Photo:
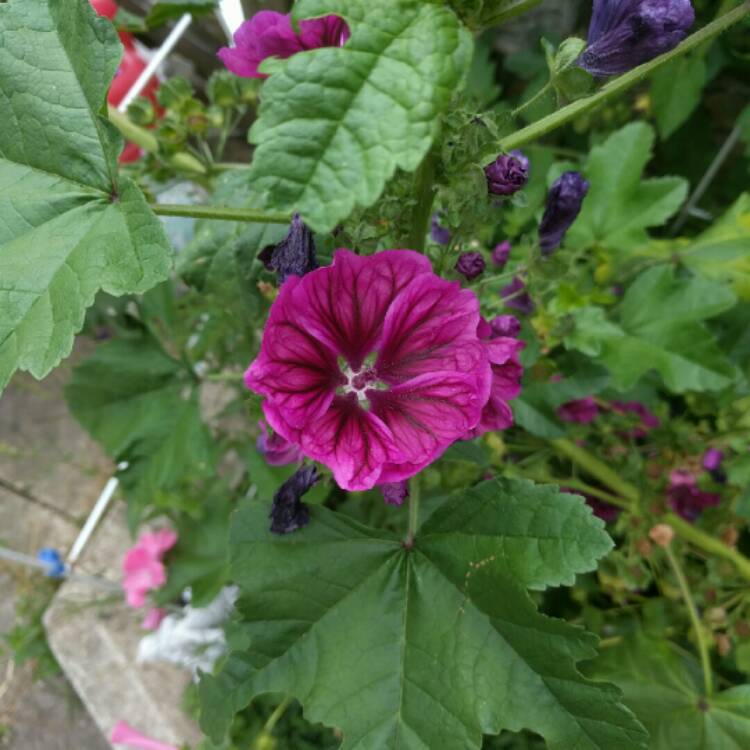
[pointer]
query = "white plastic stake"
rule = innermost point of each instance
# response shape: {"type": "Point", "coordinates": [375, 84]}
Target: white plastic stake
{"type": "Point", "coordinates": [158, 58]}
{"type": "Point", "coordinates": [94, 517]}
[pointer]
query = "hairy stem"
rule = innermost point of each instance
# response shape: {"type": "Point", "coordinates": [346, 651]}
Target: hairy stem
{"type": "Point", "coordinates": [534, 99]}
{"type": "Point", "coordinates": [511, 10]}
{"type": "Point", "coordinates": [220, 212]}
{"type": "Point", "coordinates": [415, 491]}
{"type": "Point", "coordinates": [622, 83]}
{"type": "Point", "coordinates": [425, 194]}
{"type": "Point", "coordinates": [694, 619]}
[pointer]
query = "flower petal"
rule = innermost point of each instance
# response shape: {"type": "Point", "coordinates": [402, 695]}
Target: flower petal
{"type": "Point", "coordinates": [293, 368]}
{"type": "Point", "coordinates": [345, 304]}
{"type": "Point", "coordinates": [352, 442]}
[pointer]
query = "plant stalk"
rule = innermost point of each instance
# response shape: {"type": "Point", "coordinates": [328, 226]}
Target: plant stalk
{"type": "Point", "coordinates": [220, 212]}
{"type": "Point", "coordinates": [423, 182]}
{"type": "Point", "coordinates": [415, 491]}
{"type": "Point", "coordinates": [512, 9]}
{"type": "Point", "coordinates": [622, 83]}
{"type": "Point", "coordinates": [694, 619]}
{"type": "Point", "coordinates": [534, 99]}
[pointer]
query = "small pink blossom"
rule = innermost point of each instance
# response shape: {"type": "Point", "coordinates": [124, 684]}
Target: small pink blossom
{"type": "Point", "coordinates": [143, 568]}
{"type": "Point", "coordinates": [374, 366]}
{"type": "Point", "coordinates": [270, 34]}
{"type": "Point", "coordinates": [123, 734]}
{"type": "Point", "coordinates": [278, 451]}
{"type": "Point", "coordinates": [582, 410]}
{"type": "Point", "coordinates": [153, 618]}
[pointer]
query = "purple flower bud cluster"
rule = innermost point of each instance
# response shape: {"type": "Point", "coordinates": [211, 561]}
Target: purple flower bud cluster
{"type": "Point", "coordinates": [288, 512]}
{"type": "Point", "coordinates": [582, 410]}
{"type": "Point", "coordinates": [516, 297]}
{"type": "Point", "coordinates": [471, 265]}
{"type": "Point", "coordinates": [394, 493]}
{"type": "Point", "coordinates": [508, 174]}
{"type": "Point", "coordinates": [501, 254]}
{"type": "Point", "coordinates": [439, 233]}
{"type": "Point", "coordinates": [505, 325]}
{"type": "Point", "coordinates": [564, 203]}
{"type": "Point", "coordinates": [626, 33]}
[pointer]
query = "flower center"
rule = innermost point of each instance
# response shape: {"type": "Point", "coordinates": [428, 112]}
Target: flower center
{"type": "Point", "coordinates": [360, 381]}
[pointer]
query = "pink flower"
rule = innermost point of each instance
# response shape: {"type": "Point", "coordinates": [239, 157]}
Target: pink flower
{"type": "Point", "coordinates": [270, 34]}
{"type": "Point", "coordinates": [278, 451]}
{"type": "Point", "coordinates": [143, 568]}
{"type": "Point", "coordinates": [374, 366]}
{"type": "Point", "coordinates": [648, 420]}
{"type": "Point", "coordinates": [686, 498]}
{"type": "Point", "coordinates": [583, 410]}
{"type": "Point", "coordinates": [123, 734]}
{"type": "Point", "coordinates": [153, 618]}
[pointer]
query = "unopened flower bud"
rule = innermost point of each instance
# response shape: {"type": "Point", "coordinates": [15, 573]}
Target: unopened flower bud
{"type": "Point", "coordinates": [662, 534]}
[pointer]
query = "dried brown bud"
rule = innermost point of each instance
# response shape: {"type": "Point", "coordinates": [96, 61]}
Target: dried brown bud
{"type": "Point", "coordinates": [662, 534]}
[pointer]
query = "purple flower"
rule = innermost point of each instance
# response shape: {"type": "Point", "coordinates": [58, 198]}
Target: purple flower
{"type": "Point", "coordinates": [470, 265]}
{"type": "Point", "coordinates": [501, 253]}
{"type": "Point", "coordinates": [516, 297]}
{"type": "Point", "coordinates": [394, 493]}
{"type": "Point", "coordinates": [507, 174]}
{"type": "Point", "coordinates": [439, 233]}
{"type": "Point", "coordinates": [294, 255]}
{"type": "Point", "coordinates": [374, 366]}
{"type": "Point", "coordinates": [582, 411]}
{"type": "Point", "coordinates": [505, 325]}
{"type": "Point", "coordinates": [288, 512]}
{"type": "Point", "coordinates": [276, 450]}
{"type": "Point", "coordinates": [564, 203]}
{"type": "Point", "coordinates": [712, 459]}
{"type": "Point", "coordinates": [686, 498]}
{"type": "Point", "coordinates": [626, 33]}
{"type": "Point", "coordinates": [270, 34]}
{"type": "Point", "coordinates": [648, 420]}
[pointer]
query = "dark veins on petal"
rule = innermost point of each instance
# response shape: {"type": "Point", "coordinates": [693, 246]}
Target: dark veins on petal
{"type": "Point", "coordinates": [288, 512]}
{"type": "Point", "coordinates": [294, 255]}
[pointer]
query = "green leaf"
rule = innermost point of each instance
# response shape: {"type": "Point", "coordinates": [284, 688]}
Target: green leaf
{"type": "Point", "coordinates": [69, 225]}
{"type": "Point", "coordinates": [722, 252]}
{"type": "Point", "coordinates": [427, 647]}
{"type": "Point", "coordinates": [661, 328]}
{"type": "Point", "coordinates": [620, 205]}
{"type": "Point", "coordinates": [664, 689]}
{"type": "Point", "coordinates": [137, 402]}
{"type": "Point", "coordinates": [336, 123]}
{"type": "Point", "coordinates": [676, 91]}
{"type": "Point", "coordinates": [165, 10]}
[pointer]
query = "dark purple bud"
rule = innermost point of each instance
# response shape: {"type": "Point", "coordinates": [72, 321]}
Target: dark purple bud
{"type": "Point", "coordinates": [288, 512]}
{"type": "Point", "coordinates": [439, 233]}
{"type": "Point", "coordinates": [470, 265]}
{"type": "Point", "coordinates": [516, 297]}
{"type": "Point", "coordinates": [712, 459]}
{"type": "Point", "coordinates": [294, 255]}
{"type": "Point", "coordinates": [394, 493]}
{"type": "Point", "coordinates": [582, 411]}
{"type": "Point", "coordinates": [564, 203]}
{"type": "Point", "coordinates": [505, 325]}
{"type": "Point", "coordinates": [501, 253]}
{"type": "Point", "coordinates": [626, 33]}
{"type": "Point", "coordinates": [685, 498]}
{"type": "Point", "coordinates": [507, 174]}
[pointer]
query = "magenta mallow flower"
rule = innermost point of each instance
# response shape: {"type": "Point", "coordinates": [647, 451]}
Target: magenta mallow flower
{"type": "Point", "coordinates": [507, 174]}
{"type": "Point", "coordinates": [438, 233]}
{"type": "Point", "coordinates": [582, 410]}
{"type": "Point", "coordinates": [626, 33]}
{"type": "Point", "coordinates": [470, 265]}
{"type": "Point", "coordinates": [686, 498]}
{"type": "Point", "coordinates": [564, 202]}
{"type": "Point", "coordinates": [288, 512]}
{"type": "Point", "coordinates": [277, 451]}
{"type": "Point", "coordinates": [501, 253]}
{"type": "Point", "coordinates": [374, 366]}
{"type": "Point", "coordinates": [394, 493]}
{"type": "Point", "coordinates": [516, 297]}
{"type": "Point", "coordinates": [143, 568]}
{"type": "Point", "coordinates": [647, 419]}
{"type": "Point", "coordinates": [123, 734]}
{"type": "Point", "coordinates": [270, 34]}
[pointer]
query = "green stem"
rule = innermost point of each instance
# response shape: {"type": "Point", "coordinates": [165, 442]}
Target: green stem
{"type": "Point", "coordinates": [597, 468]}
{"type": "Point", "coordinates": [694, 619]}
{"type": "Point", "coordinates": [220, 212]}
{"type": "Point", "coordinates": [415, 491]}
{"type": "Point", "coordinates": [148, 142]}
{"type": "Point", "coordinates": [622, 83]}
{"type": "Point", "coordinates": [534, 99]}
{"type": "Point", "coordinates": [424, 189]}
{"type": "Point", "coordinates": [273, 719]}
{"type": "Point", "coordinates": [708, 543]}
{"type": "Point", "coordinates": [512, 9]}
